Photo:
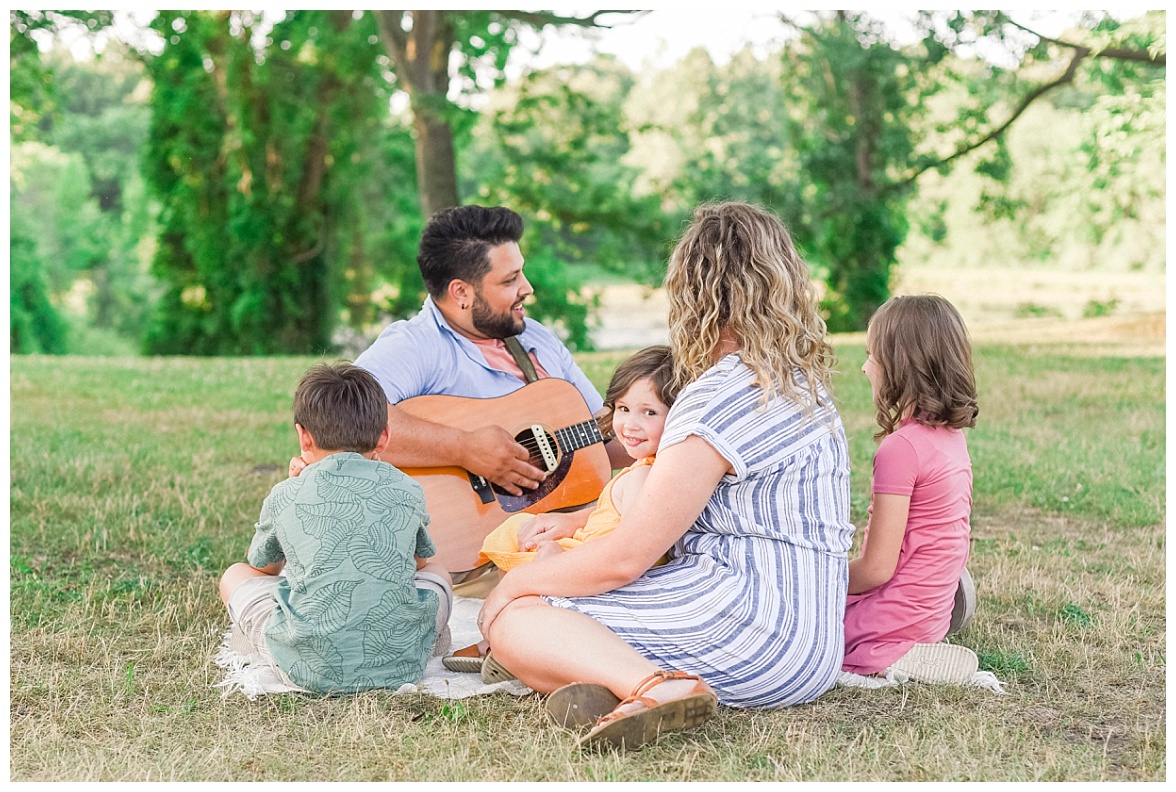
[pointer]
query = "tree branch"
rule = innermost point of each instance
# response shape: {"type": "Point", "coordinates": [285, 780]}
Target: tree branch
{"type": "Point", "coordinates": [395, 39]}
{"type": "Point", "coordinates": [1115, 53]}
{"type": "Point", "coordinates": [1080, 53]}
{"type": "Point", "coordinates": [540, 19]}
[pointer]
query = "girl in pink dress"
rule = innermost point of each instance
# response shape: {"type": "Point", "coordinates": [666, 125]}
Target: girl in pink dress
{"type": "Point", "coordinates": [902, 588]}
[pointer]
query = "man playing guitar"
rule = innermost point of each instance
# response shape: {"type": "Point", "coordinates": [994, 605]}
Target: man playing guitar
{"type": "Point", "coordinates": [455, 346]}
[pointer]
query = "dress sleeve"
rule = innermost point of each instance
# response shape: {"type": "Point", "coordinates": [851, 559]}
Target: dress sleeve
{"type": "Point", "coordinates": [896, 465]}
{"type": "Point", "coordinates": [698, 411]}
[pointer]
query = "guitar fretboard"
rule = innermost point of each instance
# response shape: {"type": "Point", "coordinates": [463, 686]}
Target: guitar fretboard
{"type": "Point", "coordinates": [578, 435]}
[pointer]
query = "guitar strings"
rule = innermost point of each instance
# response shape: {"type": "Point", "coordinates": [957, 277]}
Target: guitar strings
{"type": "Point", "coordinates": [532, 443]}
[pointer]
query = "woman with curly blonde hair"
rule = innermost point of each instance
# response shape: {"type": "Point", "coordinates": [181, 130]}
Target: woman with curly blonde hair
{"type": "Point", "coordinates": [748, 496]}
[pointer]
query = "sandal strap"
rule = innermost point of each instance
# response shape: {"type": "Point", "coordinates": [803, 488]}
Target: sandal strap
{"type": "Point", "coordinates": [644, 686]}
{"type": "Point", "coordinates": [659, 676]}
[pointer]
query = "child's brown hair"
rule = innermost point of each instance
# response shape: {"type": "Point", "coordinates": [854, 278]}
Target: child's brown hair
{"type": "Point", "coordinates": [920, 345]}
{"type": "Point", "coordinates": [342, 406]}
{"type": "Point", "coordinates": [653, 362]}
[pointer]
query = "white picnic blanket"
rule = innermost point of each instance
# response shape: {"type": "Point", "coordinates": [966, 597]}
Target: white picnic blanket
{"type": "Point", "coordinates": [243, 675]}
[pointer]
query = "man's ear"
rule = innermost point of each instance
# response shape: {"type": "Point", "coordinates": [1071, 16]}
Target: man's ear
{"type": "Point", "coordinates": [304, 438]}
{"type": "Point", "coordinates": [382, 443]}
{"type": "Point", "coordinates": [461, 293]}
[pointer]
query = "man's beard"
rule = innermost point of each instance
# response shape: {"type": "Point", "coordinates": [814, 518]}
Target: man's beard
{"type": "Point", "coordinates": [494, 325]}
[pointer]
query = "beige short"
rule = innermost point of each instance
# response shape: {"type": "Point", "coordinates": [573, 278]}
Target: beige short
{"type": "Point", "coordinates": [250, 606]}
{"type": "Point", "coordinates": [253, 602]}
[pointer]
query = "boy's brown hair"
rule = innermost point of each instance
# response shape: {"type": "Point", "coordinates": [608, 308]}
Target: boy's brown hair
{"type": "Point", "coordinates": [653, 362]}
{"type": "Point", "coordinates": [342, 406]}
{"type": "Point", "coordinates": [920, 345]}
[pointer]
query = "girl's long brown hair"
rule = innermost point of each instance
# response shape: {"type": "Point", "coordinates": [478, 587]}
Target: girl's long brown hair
{"type": "Point", "coordinates": [736, 268]}
{"type": "Point", "coordinates": [924, 358]}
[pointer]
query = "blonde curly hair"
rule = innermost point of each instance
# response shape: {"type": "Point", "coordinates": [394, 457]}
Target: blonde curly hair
{"type": "Point", "coordinates": [736, 269]}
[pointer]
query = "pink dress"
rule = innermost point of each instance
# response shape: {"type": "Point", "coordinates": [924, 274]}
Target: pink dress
{"type": "Point", "coordinates": [933, 467]}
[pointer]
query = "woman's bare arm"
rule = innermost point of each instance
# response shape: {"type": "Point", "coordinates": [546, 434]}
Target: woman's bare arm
{"type": "Point", "coordinates": [677, 488]}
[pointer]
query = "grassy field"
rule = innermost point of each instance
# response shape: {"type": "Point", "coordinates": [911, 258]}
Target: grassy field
{"type": "Point", "coordinates": [135, 482]}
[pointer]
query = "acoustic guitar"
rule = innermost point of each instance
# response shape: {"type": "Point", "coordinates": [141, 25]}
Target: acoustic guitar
{"type": "Point", "coordinates": [550, 419]}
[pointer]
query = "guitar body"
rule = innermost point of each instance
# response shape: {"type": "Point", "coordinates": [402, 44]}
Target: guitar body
{"type": "Point", "coordinates": [547, 415]}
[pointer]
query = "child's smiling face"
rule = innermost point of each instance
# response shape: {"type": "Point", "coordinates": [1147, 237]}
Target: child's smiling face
{"type": "Point", "coordinates": [639, 417]}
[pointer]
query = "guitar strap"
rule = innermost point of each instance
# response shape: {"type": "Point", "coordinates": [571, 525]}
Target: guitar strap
{"type": "Point", "coordinates": [521, 357]}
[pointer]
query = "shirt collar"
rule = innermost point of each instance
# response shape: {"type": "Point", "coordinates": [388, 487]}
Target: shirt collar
{"type": "Point", "coordinates": [469, 347]}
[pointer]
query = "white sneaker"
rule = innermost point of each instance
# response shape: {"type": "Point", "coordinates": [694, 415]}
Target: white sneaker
{"type": "Point", "coordinates": [939, 662]}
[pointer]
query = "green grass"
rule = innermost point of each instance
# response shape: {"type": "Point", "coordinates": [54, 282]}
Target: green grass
{"type": "Point", "coordinates": [135, 482]}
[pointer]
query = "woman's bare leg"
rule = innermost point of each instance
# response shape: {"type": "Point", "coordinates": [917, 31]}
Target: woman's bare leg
{"type": "Point", "coordinates": [548, 647]}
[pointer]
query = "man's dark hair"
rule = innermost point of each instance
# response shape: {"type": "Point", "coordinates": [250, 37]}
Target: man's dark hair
{"type": "Point", "coordinates": [456, 243]}
{"type": "Point", "coordinates": [342, 406]}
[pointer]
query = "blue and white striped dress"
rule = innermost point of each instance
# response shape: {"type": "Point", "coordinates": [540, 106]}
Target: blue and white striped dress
{"type": "Point", "coordinates": [753, 597]}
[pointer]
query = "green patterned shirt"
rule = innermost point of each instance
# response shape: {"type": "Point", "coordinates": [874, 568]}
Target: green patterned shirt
{"type": "Point", "coordinates": [349, 616]}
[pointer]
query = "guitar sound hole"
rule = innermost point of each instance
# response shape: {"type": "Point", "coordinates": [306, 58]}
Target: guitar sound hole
{"type": "Point", "coordinates": [515, 503]}
{"type": "Point", "coordinates": [530, 441]}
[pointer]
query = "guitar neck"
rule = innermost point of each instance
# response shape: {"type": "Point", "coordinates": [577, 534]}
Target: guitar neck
{"type": "Point", "coordinates": [578, 436]}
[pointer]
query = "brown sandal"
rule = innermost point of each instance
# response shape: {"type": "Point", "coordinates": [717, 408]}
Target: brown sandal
{"type": "Point", "coordinates": [466, 660]}
{"type": "Point", "coordinates": [631, 730]}
{"type": "Point", "coordinates": [494, 671]}
{"type": "Point", "coordinates": [580, 705]}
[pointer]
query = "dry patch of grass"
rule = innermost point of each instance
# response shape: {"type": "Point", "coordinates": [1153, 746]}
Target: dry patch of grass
{"type": "Point", "coordinates": [1070, 617]}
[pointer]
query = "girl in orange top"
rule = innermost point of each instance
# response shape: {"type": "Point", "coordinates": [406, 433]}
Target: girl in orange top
{"type": "Point", "coordinates": [636, 404]}
{"type": "Point", "coordinates": [638, 398]}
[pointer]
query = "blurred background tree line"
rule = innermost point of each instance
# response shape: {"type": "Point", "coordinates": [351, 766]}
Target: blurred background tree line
{"type": "Point", "coordinates": [258, 186]}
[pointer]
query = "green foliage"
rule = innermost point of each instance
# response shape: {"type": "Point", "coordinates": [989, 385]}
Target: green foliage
{"type": "Point", "coordinates": [103, 120]}
{"type": "Point", "coordinates": [278, 193]}
{"type": "Point", "coordinates": [254, 155]}
{"type": "Point", "coordinates": [1075, 615]}
{"type": "Point", "coordinates": [869, 117]}
{"type": "Point", "coordinates": [34, 324]}
{"type": "Point", "coordinates": [731, 131]}
{"type": "Point", "coordinates": [32, 94]}
{"type": "Point", "coordinates": [77, 190]}
{"type": "Point", "coordinates": [1004, 663]}
{"type": "Point", "coordinates": [855, 104]}
{"type": "Point", "coordinates": [51, 202]}
{"type": "Point", "coordinates": [379, 235]}
{"type": "Point", "coordinates": [1099, 308]}
{"type": "Point", "coordinates": [555, 151]}
{"type": "Point", "coordinates": [1109, 114]}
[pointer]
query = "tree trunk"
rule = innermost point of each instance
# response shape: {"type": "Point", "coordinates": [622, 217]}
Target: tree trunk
{"type": "Point", "coordinates": [421, 57]}
{"type": "Point", "coordinates": [436, 162]}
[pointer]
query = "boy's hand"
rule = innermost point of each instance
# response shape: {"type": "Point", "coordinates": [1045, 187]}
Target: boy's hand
{"type": "Point", "coordinates": [297, 465]}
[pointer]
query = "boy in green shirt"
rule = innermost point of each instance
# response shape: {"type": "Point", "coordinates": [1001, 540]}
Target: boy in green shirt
{"type": "Point", "coordinates": [360, 606]}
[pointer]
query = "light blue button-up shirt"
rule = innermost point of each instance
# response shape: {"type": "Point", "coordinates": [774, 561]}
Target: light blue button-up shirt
{"type": "Point", "coordinates": [425, 356]}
